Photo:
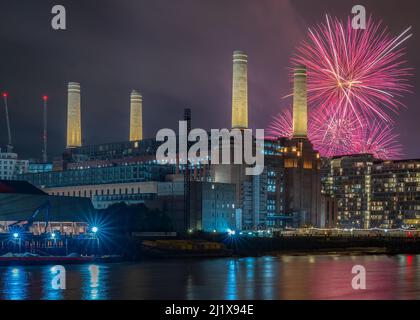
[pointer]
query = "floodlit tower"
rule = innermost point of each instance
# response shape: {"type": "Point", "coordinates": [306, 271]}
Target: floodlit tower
{"type": "Point", "coordinates": [9, 132]}
{"type": "Point", "coordinates": [74, 124]}
{"type": "Point", "coordinates": [300, 103]}
{"type": "Point", "coordinates": [240, 90]}
{"type": "Point", "coordinates": [44, 135]}
{"type": "Point", "coordinates": [136, 116]}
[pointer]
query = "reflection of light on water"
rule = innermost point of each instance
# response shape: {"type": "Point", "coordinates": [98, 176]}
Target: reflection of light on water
{"type": "Point", "coordinates": [250, 277]}
{"type": "Point", "coordinates": [286, 259]}
{"type": "Point", "coordinates": [250, 268]}
{"type": "Point", "coordinates": [94, 281]}
{"type": "Point", "coordinates": [15, 284]}
{"type": "Point", "coordinates": [190, 287]}
{"type": "Point", "coordinates": [231, 290]}
{"type": "Point", "coordinates": [402, 259]}
{"type": "Point", "coordinates": [409, 260]}
{"type": "Point", "coordinates": [268, 274]}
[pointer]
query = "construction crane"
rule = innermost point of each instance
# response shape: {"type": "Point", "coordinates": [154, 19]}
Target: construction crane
{"type": "Point", "coordinates": [44, 136]}
{"type": "Point", "coordinates": [9, 133]}
{"type": "Point", "coordinates": [24, 225]}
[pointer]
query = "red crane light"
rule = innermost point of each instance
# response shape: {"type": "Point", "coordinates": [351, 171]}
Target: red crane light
{"type": "Point", "coordinates": [45, 98]}
{"type": "Point", "coordinates": [5, 94]}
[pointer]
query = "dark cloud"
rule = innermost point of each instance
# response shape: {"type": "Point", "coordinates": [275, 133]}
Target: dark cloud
{"type": "Point", "coordinates": [176, 52]}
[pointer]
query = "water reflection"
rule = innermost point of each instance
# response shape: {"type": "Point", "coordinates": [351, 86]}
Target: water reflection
{"type": "Point", "coordinates": [283, 277]}
{"type": "Point", "coordinates": [95, 288]}
{"type": "Point", "coordinates": [16, 282]}
{"type": "Point", "coordinates": [231, 283]}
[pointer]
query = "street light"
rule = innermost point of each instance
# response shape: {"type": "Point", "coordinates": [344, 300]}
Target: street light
{"type": "Point", "coordinates": [95, 229]}
{"type": "Point", "coordinates": [16, 235]}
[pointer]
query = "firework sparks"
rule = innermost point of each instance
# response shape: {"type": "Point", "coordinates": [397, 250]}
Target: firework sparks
{"type": "Point", "coordinates": [380, 140]}
{"type": "Point", "coordinates": [282, 125]}
{"type": "Point", "coordinates": [360, 72]}
{"type": "Point", "coordinates": [341, 135]}
{"type": "Point", "coordinates": [355, 81]}
{"type": "Point", "coordinates": [333, 135]}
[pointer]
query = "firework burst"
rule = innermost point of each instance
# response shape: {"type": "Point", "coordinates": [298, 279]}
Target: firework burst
{"type": "Point", "coordinates": [359, 72]}
{"type": "Point", "coordinates": [355, 81]}
{"type": "Point", "coordinates": [380, 140]}
{"type": "Point", "coordinates": [281, 125]}
{"type": "Point", "coordinates": [340, 135]}
{"type": "Point", "coordinates": [333, 135]}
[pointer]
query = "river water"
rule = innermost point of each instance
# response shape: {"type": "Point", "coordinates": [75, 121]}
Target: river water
{"type": "Point", "coordinates": [282, 277]}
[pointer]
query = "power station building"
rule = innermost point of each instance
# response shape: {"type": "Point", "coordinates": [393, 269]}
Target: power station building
{"type": "Point", "coordinates": [198, 196]}
{"type": "Point", "coordinates": [288, 192]}
{"type": "Point", "coordinates": [294, 168]}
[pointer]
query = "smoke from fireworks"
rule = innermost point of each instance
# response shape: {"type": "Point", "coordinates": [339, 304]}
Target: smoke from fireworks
{"type": "Point", "coordinates": [355, 80]}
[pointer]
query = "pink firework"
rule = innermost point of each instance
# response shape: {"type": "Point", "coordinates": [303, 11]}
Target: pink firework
{"type": "Point", "coordinates": [380, 140]}
{"type": "Point", "coordinates": [281, 125]}
{"type": "Point", "coordinates": [341, 135]}
{"type": "Point", "coordinates": [333, 135]}
{"type": "Point", "coordinates": [359, 72]}
{"type": "Point", "coordinates": [330, 135]}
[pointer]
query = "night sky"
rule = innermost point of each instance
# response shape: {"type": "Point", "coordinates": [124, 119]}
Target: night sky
{"type": "Point", "coordinates": [177, 53]}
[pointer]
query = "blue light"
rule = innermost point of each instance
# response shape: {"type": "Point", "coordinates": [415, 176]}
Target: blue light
{"type": "Point", "coordinates": [95, 229]}
{"type": "Point", "coordinates": [53, 235]}
{"type": "Point", "coordinates": [16, 235]}
{"type": "Point", "coordinates": [231, 232]}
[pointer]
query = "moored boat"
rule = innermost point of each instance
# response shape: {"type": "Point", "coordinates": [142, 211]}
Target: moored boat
{"type": "Point", "coordinates": [33, 259]}
{"type": "Point", "coordinates": [184, 249]}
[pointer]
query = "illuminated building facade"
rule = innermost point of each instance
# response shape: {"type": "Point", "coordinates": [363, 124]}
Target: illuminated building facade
{"type": "Point", "coordinates": [274, 163]}
{"type": "Point", "coordinates": [133, 172]}
{"type": "Point", "coordinates": [348, 179]}
{"type": "Point", "coordinates": [212, 207]}
{"type": "Point", "coordinates": [11, 166]}
{"type": "Point", "coordinates": [395, 194]}
{"type": "Point", "coordinates": [136, 116]}
{"type": "Point", "coordinates": [114, 150]}
{"type": "Point", "coordinates": [372, 193]}
{"type": "Point", "coordinates": [74, 122]}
